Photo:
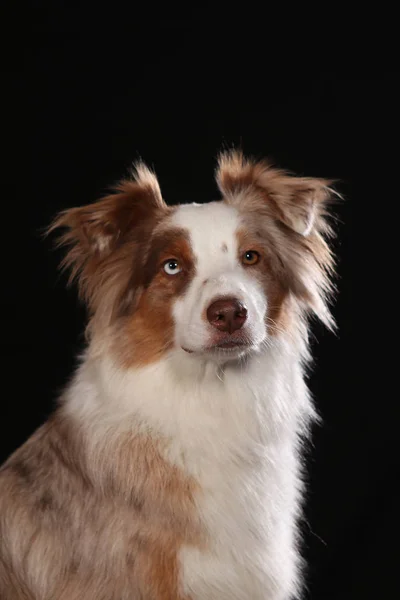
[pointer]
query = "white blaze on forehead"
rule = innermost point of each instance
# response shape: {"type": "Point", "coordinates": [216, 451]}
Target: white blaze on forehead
{"type": "Point", "coordinates": [212, 228]}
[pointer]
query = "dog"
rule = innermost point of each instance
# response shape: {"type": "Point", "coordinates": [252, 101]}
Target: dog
{"type": "Point", "coordinates": [171, 468]}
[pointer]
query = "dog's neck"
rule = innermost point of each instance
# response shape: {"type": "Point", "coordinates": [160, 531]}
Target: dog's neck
{"type": "Point", "coordinates": [184, 391]}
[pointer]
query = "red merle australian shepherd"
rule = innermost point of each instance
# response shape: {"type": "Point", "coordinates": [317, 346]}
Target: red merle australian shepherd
{"type": "Point", "coordinates": [171, 469]}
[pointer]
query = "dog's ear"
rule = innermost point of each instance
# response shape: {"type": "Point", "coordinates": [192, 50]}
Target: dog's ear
{"type": "Point", "coordinates": [95, 234]}
{"type": "Point", "coordinates": [295, 201]}
{"type": "Point", "coordinates": [95, 229]}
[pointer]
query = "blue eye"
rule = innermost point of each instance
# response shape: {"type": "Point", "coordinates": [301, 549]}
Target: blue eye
{"type": "Point", "coordinates": [171, 267]}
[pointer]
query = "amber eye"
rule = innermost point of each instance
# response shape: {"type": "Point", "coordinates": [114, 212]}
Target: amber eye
{"type": "Point", "coordinates": [251, 257]}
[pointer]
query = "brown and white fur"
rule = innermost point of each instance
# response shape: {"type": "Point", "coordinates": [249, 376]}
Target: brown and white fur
{"type": "Point", "coordinates": [171, 469]}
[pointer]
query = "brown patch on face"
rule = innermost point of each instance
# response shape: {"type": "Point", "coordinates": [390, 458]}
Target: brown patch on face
{"type": "Point", "coordinates": [224, 247]}
{"type": "Point", "coordinates": [147, 333]}
{"type": "Point", "coordinates": [103, 237]}
{"type": "Point", "coordinates": [290, 213]}
{"type": "Point", "coordinates": [249, 238]}
{"type": "Point", "coordinates": [116, 249]}
{"type": "Point", "coordinates": [126, 512]}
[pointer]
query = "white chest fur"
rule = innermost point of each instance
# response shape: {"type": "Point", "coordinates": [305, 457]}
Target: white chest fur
{"type": "Point", "coordinates": [236, 432]}
{"type": "Point", "coordinates": [248, 470]}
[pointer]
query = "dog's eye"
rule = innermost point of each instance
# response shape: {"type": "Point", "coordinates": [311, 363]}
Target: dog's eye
{"type": "Point", "coordinates": [251, 257]}
{"type": "Point", "coordinates": [171, 267]}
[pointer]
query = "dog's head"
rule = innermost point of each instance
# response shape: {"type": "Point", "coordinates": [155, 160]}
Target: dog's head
{"type": "Point", "coordinates": [215, 280]}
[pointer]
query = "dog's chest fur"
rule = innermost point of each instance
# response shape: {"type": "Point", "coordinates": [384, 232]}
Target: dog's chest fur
{"type": "Point", "coordinates": [235, 433]}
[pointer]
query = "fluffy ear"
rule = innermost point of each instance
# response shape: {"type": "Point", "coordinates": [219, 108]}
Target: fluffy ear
{"type": "Point", "coordinates": [95, 229]}
{"type": "Point", "coordinates": [296, 201]}
{"type": "Point", "coordinates": [95, 234]}
{"type": "Point", "coordinates": [299, 201]}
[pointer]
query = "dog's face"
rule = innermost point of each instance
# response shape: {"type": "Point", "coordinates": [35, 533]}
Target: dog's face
{"type": "Point", "coordinates": [214, 280]}
{"type": "Point", "coordinates": [223, 309]}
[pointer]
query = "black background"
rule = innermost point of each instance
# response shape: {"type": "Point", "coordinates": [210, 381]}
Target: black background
{"type": "Point", "coordinates": [81, 107]}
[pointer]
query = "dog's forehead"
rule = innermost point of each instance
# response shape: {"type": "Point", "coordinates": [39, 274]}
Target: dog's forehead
{"type": "Point", "coordinates": [212, 228]}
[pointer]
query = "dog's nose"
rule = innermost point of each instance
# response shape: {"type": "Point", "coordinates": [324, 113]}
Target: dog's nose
{"type": "Point", "coordinates": [227, 314]}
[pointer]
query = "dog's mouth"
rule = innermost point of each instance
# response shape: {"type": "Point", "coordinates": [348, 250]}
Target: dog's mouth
{"type": "Point", "coordinates": [228, 345]}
